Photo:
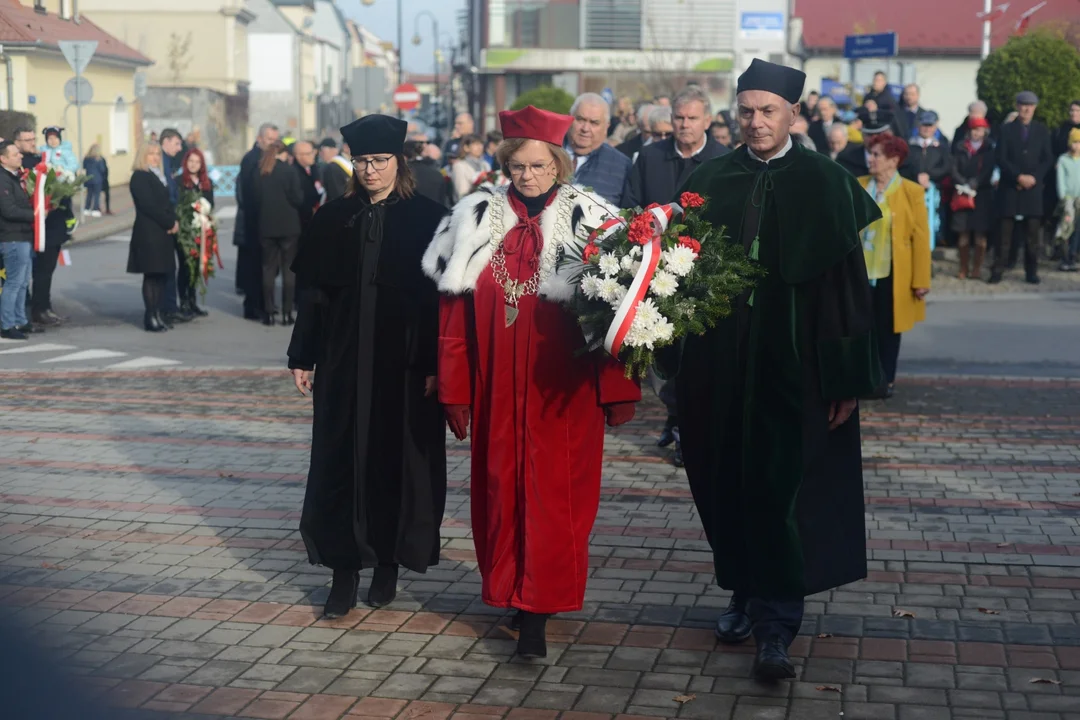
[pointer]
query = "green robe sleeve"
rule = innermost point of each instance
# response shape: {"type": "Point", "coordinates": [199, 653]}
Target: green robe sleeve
{"type": "Point", "coordinates": [848, 362]}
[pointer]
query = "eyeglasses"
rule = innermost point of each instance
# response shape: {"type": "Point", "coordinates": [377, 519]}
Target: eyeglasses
{"type": "Point", "coordinates": [661, 135]}
{"type": "Point", "coordinates": [519, 169]}
{"type": "Point", "coordinates": [379, 163]}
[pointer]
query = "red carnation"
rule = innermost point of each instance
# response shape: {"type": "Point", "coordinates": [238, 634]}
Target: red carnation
{"type": "Point", "coordinates": [691, 200]}
{"type": "Point", "coordinates": [651, 206]}
{"type": "Point", "coordinates": [194, 253]}
{"type": "Point", "coordinates": [589, 252]}
{"type": "Point", "coordinates": [687, 241]}
{"type": "Point", "coordinates": [641, 229]}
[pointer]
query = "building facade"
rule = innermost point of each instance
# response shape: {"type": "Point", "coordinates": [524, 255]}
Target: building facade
{"type": "Point", "coordinates": [36, 73]}
{"type": "Point", "coordinates": [635, 48]}
{"type": "Point", "coordinates": [199, 79]}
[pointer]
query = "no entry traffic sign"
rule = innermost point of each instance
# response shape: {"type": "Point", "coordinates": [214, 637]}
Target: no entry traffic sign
{"type": "Point", "coordinates": [406, 97]}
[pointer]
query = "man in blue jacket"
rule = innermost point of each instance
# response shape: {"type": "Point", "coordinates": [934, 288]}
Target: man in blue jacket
{"type": "Point", "coordinates": [597, 165]}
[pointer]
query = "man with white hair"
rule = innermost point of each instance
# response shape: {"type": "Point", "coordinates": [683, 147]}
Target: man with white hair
{"type": "Point", "coordinates": [838, 139]}
{"type": "Point", "coordinates": [768, 399]}
{"type": "Point", "coordinates": [820, 128]}
{"type": "Point", "coordinates": [665, 165]}
{"type": "Point", "coordinates": [597, 165]}
{"type": "Point", "coordinates": [633, 146]}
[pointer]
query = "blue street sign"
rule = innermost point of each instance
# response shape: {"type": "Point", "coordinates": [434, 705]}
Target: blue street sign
{"type": "Point", "coordinates": [608, 95]}
{"type": "Point", "coordinates": [836, 91]}
{"type": "Point", "coordinates": [871, 46]}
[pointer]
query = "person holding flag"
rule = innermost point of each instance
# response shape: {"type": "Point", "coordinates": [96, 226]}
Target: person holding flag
{"type": "Point", "coordinates": [509, 367]}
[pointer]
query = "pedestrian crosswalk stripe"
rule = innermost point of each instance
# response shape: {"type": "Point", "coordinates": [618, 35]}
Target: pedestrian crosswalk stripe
{"type": "Point", "coordinates": [141, 363]}
{"type": "Point", "coordinates": [44, 347]}
{"type": "Point", "coordinates": [86, 355]}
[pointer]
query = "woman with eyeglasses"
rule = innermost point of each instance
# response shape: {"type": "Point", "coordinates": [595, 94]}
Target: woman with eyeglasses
{"type": "Point", "coordinates": [280, 198]}
{"type": "Point", "coordinates": [368, 330]}
{"type": "Point", "coordinates": [510, 366]}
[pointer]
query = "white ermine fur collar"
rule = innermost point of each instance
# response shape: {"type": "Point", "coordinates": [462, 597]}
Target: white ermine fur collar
{"type": "Point", "coordinates": [465, 240]}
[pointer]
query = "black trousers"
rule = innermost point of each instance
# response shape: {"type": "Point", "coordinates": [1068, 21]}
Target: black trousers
{"type": "Point", "coordinates": [249, 277]}
{"type": "Point", "coordinates": [1032, 239]}
{"type": "Point", "coordinates": [108, 200]}
{"type": "Point", "coordinates": [888, 341]}
{"type": "Point", "coordinates": [44, 267]}
{"type": "Point", "coordinates": [278, 254]}
{"type": "Point", "coordinates": [773, 618]}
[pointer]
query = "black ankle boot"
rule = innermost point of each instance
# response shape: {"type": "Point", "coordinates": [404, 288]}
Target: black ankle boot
{"type": "Point", "coordinates": [342, 594]}
{"type": "Point", "coordinates": [268, 318]}
{"type": "Point", "coordinates": [194, 306]}
{"type": "Point", "coordinates": [288, 319]}
{"type": "Point", "coordinates": [532, 642]}
{"type": "Point", "coordinates": [163, 320]}
{"type": "Point", "coordinates": [383, 588]}
{"type": "Point", "coordinates": [151, 323]}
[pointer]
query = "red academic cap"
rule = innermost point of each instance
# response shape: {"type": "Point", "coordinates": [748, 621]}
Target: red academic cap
{"type": "Point", "coordinates": [535, 124]}
{"type": "Point", "coordinates": [977, 122]}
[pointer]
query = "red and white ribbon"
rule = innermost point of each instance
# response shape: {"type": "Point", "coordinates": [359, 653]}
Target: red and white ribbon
{"type": "Point", "coordinates": [606, 229]}
{"type": "Point", "coordinates": [40, 211]}
{"type": "Point", "coordinates": [204, 251]}
{"type": "Point", "coordinates": [650, 259]}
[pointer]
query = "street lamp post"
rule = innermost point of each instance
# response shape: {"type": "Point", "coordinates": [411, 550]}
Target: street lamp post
{"type": "Point", "coordinates": [400, 43]}
{"type": "Point", "coordinates": [435, 52]}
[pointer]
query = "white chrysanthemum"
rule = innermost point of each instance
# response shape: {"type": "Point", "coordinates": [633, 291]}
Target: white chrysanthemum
{"type": "Point", "coordinates": [635, 251]}
{"type": "Point", "coordinates": [626, 263]}
{"type": "Point", "coordinates": [609, 289]}
{"type": "Point", "coordinates": [590, 286]}
{"type": "Point", "coordinates": [663, 284]}
{"type": "Point", "coordinates": [679, 260]}
{"type": "Point", "coordinates": [617, 296]}
{"type": "Point", "coordinates": [639, 335]}
{"type": "Point", "coordinates": [609, 264]}
{"type": "Point", "coordinates": [647, 313]}
{"type": "Point", "coordinates": [203, 206]}
{"type": "Point", "coordinates": [663, 331]}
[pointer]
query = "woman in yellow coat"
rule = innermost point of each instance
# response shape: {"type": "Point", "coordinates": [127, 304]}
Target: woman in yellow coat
{"type": "Point", "coordinates": [897, 250]}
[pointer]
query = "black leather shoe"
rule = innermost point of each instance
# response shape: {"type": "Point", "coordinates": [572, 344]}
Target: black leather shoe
{"type": "Point", "coordinates": [176, 317]}
{"type": "Point", "coordinates": [995, 277]}
{"type": "Point", "coordinates": [342, 594]}
{"type": "Point", "coordinates": [666, 438]}
{"type": "Point", "coordinates": [772, 662]}
{"type": "Point", "coordinates": [532, 642]}
{"type": "Point", "coordinates": [151, 323]}
{"type": "Point", "coordinates": [383, 588]}
{"type": "Point", "coordinates": [45, 319]}
{"type": "Point", "coordinates": [268, 319]}
{"type": "Point", "coordinates": [1032, 279]}
{"type": "Point", "coordinates": [734, 625]}
{"type": "Point", "coordinates": [288, 319]}
{"type": "Point", "coordinates": [252, 314]}
{"type": "Point", "coordinates": [30, 329]}
{"type": "Point", "coordinates": [13, 334]}
{"type": "Point", "coordinates": [196, 310]}
{"type": "Point", "coordinates": [165, 320]}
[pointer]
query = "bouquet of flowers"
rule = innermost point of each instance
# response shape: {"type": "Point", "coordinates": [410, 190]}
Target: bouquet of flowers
{"type": "Point", "coordinates": [650, 277]}
{"type": "Point", "coordinates": [198, 237]}
{"type": "Point", "coordinates": [60, 184]}
{"type": "Point", "coordinates": [490, 179]}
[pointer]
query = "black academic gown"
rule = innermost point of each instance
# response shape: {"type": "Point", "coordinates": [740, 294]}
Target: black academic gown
{"type": "Point", "coordinates": [368, 325]}
{"type": "Point", "coordinates": [780, 496]}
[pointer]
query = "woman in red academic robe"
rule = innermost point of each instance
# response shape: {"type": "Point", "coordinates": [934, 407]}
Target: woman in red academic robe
{"type": "Point", "coordinates": [509, 362]}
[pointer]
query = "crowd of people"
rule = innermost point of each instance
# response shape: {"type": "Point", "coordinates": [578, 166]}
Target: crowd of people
{"type": "Point", "coordinates": [431, 293]}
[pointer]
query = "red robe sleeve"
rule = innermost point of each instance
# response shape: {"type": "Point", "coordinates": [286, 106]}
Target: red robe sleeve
{"type": "Point", "coordinates": [612, 384]}
{"type": "Point", "coordinates": [455, 366]}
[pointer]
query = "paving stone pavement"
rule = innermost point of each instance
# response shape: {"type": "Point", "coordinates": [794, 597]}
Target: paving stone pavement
{"type": "Point", "coordinates": [148, 539]}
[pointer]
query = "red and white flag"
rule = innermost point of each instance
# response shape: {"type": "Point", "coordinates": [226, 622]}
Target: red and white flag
{"type": "Point", "coordinates": [39, 206]}
{"type": "Point", "coordinates": [64, 259]}
{"type": "Point", "coordinates": [994, 14]}
{"type": "Point", "coordinates": [1025, 19]}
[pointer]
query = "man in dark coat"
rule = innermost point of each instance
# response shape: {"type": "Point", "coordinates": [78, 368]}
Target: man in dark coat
{"type": "Point", "coordinates": [334, 169]}
{"type": "Point", "coordinates": [633, 146]}
{"type": "Point", "coordinates": [368, 326]}
{"type": "Point", "coordinates": [930, 160]}
{"type": "Point", "coordinates": [1025, 157]}
{"type": "Point", "coordinates": [663, 167]}
{"type": "Point", "coordinates": [430, 180]}
{"type": "Point", "coordinates": [249, 255]}
{"type": "Point", "coordinates": [303, 153]}
{"type": "Point", "coordinates": [819, 128]}
{"type": "Point", "coordinates": [767, 400]}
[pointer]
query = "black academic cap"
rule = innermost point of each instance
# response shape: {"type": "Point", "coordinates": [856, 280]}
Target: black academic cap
{"type": "Point", "coordinates": [778, 79]}
{"type": "Point", "coordinates": [375, 135]}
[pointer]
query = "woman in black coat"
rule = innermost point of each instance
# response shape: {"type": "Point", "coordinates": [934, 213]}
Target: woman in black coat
{"type": "Point", "coordinates": [153, 238]}
{"type": "Point", "coordinates": [973, 166]}
{"type": "Point", "coordinates": [193, 176]}
{"type": "Point", "coordinates": [280, 199]}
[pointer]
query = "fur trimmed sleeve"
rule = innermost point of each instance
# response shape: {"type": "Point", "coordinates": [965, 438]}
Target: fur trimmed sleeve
{"type": "Point", "coordinates": [461, 248]}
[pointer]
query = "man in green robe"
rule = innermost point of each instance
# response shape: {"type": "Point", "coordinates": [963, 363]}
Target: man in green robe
{"type": "Point", "coordinates": [768, 399]}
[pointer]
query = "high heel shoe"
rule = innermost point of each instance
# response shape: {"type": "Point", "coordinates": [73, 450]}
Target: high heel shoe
{"type": "Point", "coordinates": [383, 588]}
{"type": "Point", "coordinates": [151, 323]}
{"type": "Point", "coordinates": [532, 642]}
{"type": "Point", "coordinates": [342, 597]}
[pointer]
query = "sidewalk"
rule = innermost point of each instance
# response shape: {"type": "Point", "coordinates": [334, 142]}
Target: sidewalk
{"type": "Point", "coordinates": [97, 228]}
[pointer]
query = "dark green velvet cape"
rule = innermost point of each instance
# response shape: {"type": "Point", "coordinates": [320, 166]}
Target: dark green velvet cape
{"type": "Point", "coordinates": [781, 496]}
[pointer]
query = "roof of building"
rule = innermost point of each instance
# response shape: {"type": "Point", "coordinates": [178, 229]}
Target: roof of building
{"type": "Point", "coordinates": [22, 25]}
{"type": "Point", "coordinates": [924, 26]}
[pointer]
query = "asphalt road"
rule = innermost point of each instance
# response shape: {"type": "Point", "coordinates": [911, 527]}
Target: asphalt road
{"type": "Point", "coordinates": [1029, 335]}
